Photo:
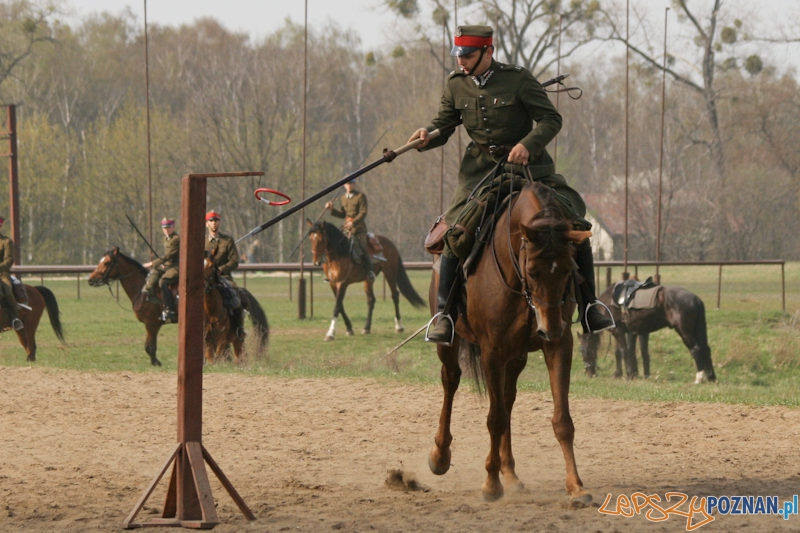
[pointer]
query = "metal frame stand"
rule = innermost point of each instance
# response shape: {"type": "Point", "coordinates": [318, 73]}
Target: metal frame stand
{"type": "Point", "coordinates": [189, 502]}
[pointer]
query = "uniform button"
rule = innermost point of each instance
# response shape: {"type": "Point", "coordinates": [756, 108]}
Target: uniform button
{"type": "Point", "coordinates": [485, 119]}
{"type": "Point", "coordinates": [480, 96]}
{"type": "Point", "coordinates": [483, 109]}
{"type": "Point", "coordinates": [488, 130]}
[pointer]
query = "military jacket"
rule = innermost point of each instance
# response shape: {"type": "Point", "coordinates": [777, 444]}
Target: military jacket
{"type": "Point", "coordinates": [172, 252]}
{"type": "Point", "coordinates": [6, 254]}
{"type": "Point", "coordinates": [354, 208]}
{"type": "Point", "coordinates": [227, 257]}
{"type": "Point", "coordinates": [502, 112]}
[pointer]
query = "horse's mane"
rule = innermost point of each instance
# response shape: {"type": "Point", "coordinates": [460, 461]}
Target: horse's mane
{"type": "Point", "coordinates": [334, 237]}
{"type": "Point", "coordinates": [129, 259]}
{"type": "Point", "coordinates": [551, 222]}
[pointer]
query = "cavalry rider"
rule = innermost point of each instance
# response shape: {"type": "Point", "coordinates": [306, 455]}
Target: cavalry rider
{"type": "Point", "coordinates": [226, 260]}
{"type": "Point", "coordinates": [6, 262]}
{"type": "Point", "coordinates": [164, 271]}
{"type": "Point", "coordinates": [354, 213]}
{"type": "Point", "coordinates": [499, 105]}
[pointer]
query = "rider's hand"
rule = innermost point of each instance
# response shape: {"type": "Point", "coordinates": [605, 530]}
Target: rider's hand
{"type": "Point", "coordinates": [329, 205]}
{"type": "Point", "coordinates": [421, 133]}
{"type": "Point", "coordinates": [148, 264]}
{"type": "Point", "coordinates": [519, 155]}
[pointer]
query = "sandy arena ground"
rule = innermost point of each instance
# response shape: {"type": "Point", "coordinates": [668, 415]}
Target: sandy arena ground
{"type": "Point", "coordinates": [77, 450]}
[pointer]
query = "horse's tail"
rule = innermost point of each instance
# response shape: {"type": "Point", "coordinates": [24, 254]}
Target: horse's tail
{"type": "Point", "coordinates": [470, 354]}
{"type": "Point", "coordinates": [701, 336]}
{"type": "Point", "coordinates": [52, 311]}
{"type": "Point", "coordinates": [259, 319]}
{"type": "Point", "coordinates": [405, 286]}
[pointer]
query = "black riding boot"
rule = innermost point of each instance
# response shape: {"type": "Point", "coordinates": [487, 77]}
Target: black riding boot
{"type": "Point", "coordinates": [594, 320]}
{"type": "Point", "coordinates": [448, 280]}
{"type": "Point", "coordinates": [369, 269]}
{"type": "Point", "coordinates": [237, 323]}
{"type": "Point", "coordinates": [169, 316]}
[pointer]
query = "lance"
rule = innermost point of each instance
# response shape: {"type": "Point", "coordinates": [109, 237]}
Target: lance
{"type": "Point", "coordinates": [388, 157]}
{"type": "Point", "coordinates": [140, 235]}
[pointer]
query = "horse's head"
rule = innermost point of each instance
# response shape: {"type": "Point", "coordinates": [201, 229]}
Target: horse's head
{"type": "Point", "coordinates": [210, 270]}
{"type": "Point", "coordinates": [546, 258]}
{"type": "Point", "coordinates": [107, 269]}
{"type": "Point", "coordinates": [319, 241]}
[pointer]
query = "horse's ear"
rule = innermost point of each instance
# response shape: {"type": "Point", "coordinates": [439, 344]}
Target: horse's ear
{"type": "Point", "coordinates": [115, 250]}
{"type": "Point", "coordinates": [310, 224]}
{"type": "Point", "coordinates": [578, 236]}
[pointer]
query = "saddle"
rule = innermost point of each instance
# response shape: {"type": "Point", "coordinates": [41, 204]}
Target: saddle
{"type": "Point", "coordinates": [18, 289]}
{"type": "Point", "coordinates": [375, 248]}
{"type": "Point", "coordinates": [231, 296]}
{"type": "Point", "coordinates": [625, 291]}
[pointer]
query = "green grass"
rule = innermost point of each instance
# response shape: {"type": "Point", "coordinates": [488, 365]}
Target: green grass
{"type": "Point", "coordinates": [755, 347]}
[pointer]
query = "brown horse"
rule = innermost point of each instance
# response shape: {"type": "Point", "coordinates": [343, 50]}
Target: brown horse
{"type": "Point", "coordinates": [518, 301]}
{"type": "Point", "coordinates": [331, 248]}
{"type": "Point", "coordinates": [674, 308]}
{"type": "Point", "coordinates": [39, 299]}
{"type": "Point", "coordinates": [217, 331]}
{"type": "Point", "coordinates": [116, 266]}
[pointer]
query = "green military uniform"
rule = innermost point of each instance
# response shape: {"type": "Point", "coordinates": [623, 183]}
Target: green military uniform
{"type": "Point", "coordinates": [165, 268]}
{"type": "Point", "coordinates": [226, 259]}
{"type": "Point", "coordinates": [6, 262]}
{"type": "Point", "coordinates": [501, 113]}
{"type": "Point", "coordinates": [354, 210]}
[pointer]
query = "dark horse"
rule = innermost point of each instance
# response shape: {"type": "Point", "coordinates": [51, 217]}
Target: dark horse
{"type": "Point", "coordinates": [217, 332]}
{"type": "Point", "coordinates": [675, 308]}
{"type": "Point", "coordinates": [39, 299]}
{"type": "Point", "coordinates": [116, 266]}
{"type": "Point", "coordinates": [331, 248]}
{"type": "Point", "coordinates": [518, 301]}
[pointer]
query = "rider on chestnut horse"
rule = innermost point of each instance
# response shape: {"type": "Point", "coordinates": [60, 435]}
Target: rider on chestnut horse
{"type": "Point", "coordinates": [6, 262]}
{"type": "Point", "coordinates": [164, 271]}
{"type": "Point", "coordinates": [226, 259]}
{"type": "Point", "coordinates": [354, 212]}
{"type": "Point", "coordinates": [499, 105]}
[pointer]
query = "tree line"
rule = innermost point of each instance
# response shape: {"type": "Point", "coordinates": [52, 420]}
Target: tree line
{"type": "Point", "coordinates": [221, 102]}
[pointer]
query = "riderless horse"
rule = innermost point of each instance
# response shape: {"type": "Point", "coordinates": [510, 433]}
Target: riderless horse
{"type": "Point", "coordinates": [518, 301]}
{"type": "Point", "coordinates": [675, 308]}
{"type": "Point", "coordinates": [332, 249]}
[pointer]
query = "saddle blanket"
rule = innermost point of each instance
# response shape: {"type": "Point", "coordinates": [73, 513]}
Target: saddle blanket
{"type": "Point", "coordinates": [645, 298]}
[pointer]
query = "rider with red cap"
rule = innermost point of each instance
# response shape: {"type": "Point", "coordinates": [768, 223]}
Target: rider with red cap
{"type": "Point", "coordinates": [164, 271]}
{"type": "Point", "coordinates": [226, 259]}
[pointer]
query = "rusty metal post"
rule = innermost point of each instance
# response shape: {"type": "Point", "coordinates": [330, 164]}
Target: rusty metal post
{"type": "Point", "coordinates": [608, 277]}
{"type": "Point", "coordinates": [625, 274]}
{"type": "Point", "coordinates": [290, 285]}
{"type": "Point", "coordinates": [384, 288]}
{"type": "Point", "coordinates": [78, 280]}
{"type": "Point", "coordinates": [719, 286]}
{"type": "Point", "coordinates": [783, 288]}
{"type": "Point", "coordinates": [661, 150]}
{"type": "Point", "coordinates": [244, 279]}
{"type": "Point", "coordinates": [301, 298]}
{"type": "Point", "coordinates": [311, 296]}
{"type": "Point", "coordinates": [13, 180]}
{"type": "Point", "coordinates": [189, 501]}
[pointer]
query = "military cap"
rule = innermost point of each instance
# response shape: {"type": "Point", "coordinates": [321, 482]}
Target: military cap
{"type": "Point", "coordinates": [167, 222]}
{"type": "Point", "coordinates": [212, 215]}
{"type": "Point", "coordinates": [471, 38]}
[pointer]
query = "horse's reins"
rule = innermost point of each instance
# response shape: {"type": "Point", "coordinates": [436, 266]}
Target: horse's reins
{"type": "Point", "coordinates": [105, 279]}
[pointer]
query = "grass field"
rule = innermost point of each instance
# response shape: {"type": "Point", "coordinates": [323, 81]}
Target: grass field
{"type": "Point", "coordinates": [755, 346]}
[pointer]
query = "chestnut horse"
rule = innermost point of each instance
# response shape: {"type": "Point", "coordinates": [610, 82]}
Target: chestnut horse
{"type": "Point", "coordinates": [39, 299]}
{"type": "Point", "coordinates": [331, 248]}
{"type": "Point", "coordinates": [116, 266]}
{"type": "Point", "coordinates": [518, 301]}
{"type": "Point", "coordinates": [674, 308]}
{"type": "Point", "coordinates": [217, 332]}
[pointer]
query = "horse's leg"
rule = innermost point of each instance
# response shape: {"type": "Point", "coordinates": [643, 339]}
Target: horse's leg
{"type": "Point", "coordinates": [439, 458]}
{"type": "Point", "coordinates": [701, 355]}
{"type": "Point", "coordinates": [644, 344]}
{"type": "Point", "coordinates": [619, 352]}
{"type": "Point", "coordinates": [27, 338]}
{"type": "Point", "coordinates": [631, 365]}
{"type": "Point", "coordinates": [398, 324]}
{"type": "Point", "coordinates": [498, 419]}
{"type": "Point", "coordinates": [559, 363]}
{"type": "Point", "coordinates": [347, 324]}
{"type": "Point", "coordinates": [370, 306]}
{"type": "Point", "coordinates": [151, 342]}
{"type": "Point", "coordinates": [507, 463]}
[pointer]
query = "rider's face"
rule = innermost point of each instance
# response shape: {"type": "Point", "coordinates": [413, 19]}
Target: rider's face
{"type": "Point", "coordinates": [469, 63]}
{"type": "Point", "coordinates": [213, 225]}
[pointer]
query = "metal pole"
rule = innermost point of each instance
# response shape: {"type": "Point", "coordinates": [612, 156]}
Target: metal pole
{"type": "Point", "coordinates": [661, 156]}
{"type": "Point", "coordinates": [444, 81]}
{"type": "Point", "coordinates": [558, 72]}
{"type": "Point", "coordinates": [13, 177]}
{"type": "Point", "coordinates": [719, 286]}
{"type": "Point", "coordinates": [147, 106]}
{"type": "Point", "coordinates": [625, 274]}
{"type": "Point", "coordinates": [301, 289]}
{"type": "Point", "coordinates": [783, 288]}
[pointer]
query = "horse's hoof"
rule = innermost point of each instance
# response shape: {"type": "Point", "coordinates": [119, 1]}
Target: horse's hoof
{"type": "Point", "coordinates": [31, 359]}
{"type": "Point", "coordinates": [328, 338]}
{"type": "Point", "coordinates": [155, 362]}
{"type": "Point", "coordinates": [581, 501]}
{"type": "Point", "coordinates": [366, 331]}
{"type": "Point", "coordinates": [439, 463]}
{"type": "Point", "coordinates": [516, 487]}
{"type": "Point", "coordinates": [401, 329]}
{"type": "Point", "coordinates": [350, 333]}
{"type": "Point", "coordinates": [492, 495]}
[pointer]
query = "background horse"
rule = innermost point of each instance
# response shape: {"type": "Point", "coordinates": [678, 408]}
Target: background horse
{"type": "Point", "coordinates": [518, 301]}
{"type": "Point", "coordinates": [217, 332]}
{"type": "Point", "coordinates": [675, 308]}
{"type": "Point", "coordinates": [331, 248]}
{"type": "Point", "coordinates": [39, 299]}
{"type": "Point", "coordinates": [116, 266]}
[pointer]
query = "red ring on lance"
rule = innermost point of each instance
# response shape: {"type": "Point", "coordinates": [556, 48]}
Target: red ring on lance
{"type": "Point", "coordinates": [272, 202]}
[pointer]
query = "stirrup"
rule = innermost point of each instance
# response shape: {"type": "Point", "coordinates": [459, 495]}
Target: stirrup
{"type": "Point", "coordinates": [17, 324]}
{"type": "Point", "coordinates": [452, 328]}
{"type": "Point", "coordinates": [586, 317]}
{"type": "Point", "coordinates": [24, 306]}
